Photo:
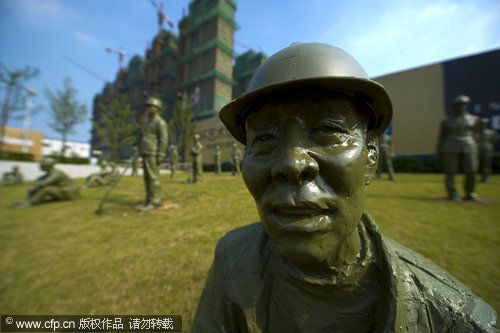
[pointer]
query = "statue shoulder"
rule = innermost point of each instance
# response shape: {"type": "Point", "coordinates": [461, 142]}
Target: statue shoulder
{"type": "Point", "coordinates": [449, 302]}
{"type": "Point", "coordinates": [236, 239]}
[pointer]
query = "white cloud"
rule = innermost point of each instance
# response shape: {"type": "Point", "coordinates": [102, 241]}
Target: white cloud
{"type": "Point", "coordinates": [407, 34]}
{"type": "Point", "coordinates": [437, 11]}
{"type": "Point", "coordinates": [87, 39]}
{"type": "Point", "coordinates": [44, 14]}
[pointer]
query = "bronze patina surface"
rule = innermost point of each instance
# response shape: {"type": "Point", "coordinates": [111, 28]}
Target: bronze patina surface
{"type": "Point", "coordinates": [316, 262]}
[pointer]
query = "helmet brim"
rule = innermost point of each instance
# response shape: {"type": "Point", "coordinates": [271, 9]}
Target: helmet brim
{"type": "Point", "coordinates": [232, 114]}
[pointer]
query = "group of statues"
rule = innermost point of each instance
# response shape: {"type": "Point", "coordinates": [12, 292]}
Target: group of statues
{"type": "Point", "coordinates": [54, 185]}
{"type": "Point", "coordinates": [465, 140]}
{"type": "Point", "coordinates": [313, 125]}
{"type": "Point", "coordinates": [236, 157]}
{"type": "Point", "coordinates": [317, 262]}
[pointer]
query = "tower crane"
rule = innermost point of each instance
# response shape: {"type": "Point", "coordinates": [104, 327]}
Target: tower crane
{"type": "Point", "coordinates": [161, 17]}
{"type": "Point", "coordinates": [121, 55]}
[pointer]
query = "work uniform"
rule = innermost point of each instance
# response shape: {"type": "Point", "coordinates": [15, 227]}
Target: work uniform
{"type": "Point", "coordinates": [487, 140]}
{"type": "Point", "coordinates": [54, 185]}
{"type": "Point", "coordinates": [386, 151]}
{"type": "Point", "coordinates": [251, 288]}
{"type": "Point", "coordinates": [174, 158]}
{"type": "Point", "coordinates": [197, 162]}
{"type": "Point", "coordinates": [458, 145]}
{"type": "Point", "coordinates": [154, 147]}
{"type": "Point", "coordinates": [235, 160]}
{"type": "Point", "coordinates": [217, 161]}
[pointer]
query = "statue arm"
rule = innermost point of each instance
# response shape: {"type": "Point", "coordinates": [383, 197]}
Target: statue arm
{"type": "Point", "coordinates": [442, 135]}
{"type": "Point", "coordinates": [162, 134]}
{"type": "Point", "coordinates": [52, 178]}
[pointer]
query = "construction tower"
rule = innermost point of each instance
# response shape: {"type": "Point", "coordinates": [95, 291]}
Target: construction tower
{"type": "Point", "coordinates": [205, 71]}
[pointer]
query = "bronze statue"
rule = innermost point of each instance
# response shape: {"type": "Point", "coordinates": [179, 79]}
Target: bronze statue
{"type": "Point", "coordinates": [487, 141]}
{"type": "Point", "coordinates": [317, 262]}
{"type": "Point", "coordinates": [217, 160]}
{"type": "Point", "coordinates": [12, 178]}
{"type": "Point", "coordinates": [154, 148]}
{"type": "Point", "coordinates": [235, 160]}
{"type": "Point", "coordinates": [54, 185]}
{"type": "Point", "coordinates": [197, 159]}
{"type": "Point", "coordinates": [386, 153]}
{"type": "Point", "coordinates": [457, 145]}
{"type": "Point", "coordinates": [135, 161]}
{"type": "Point", "coordinates": [100, 178]}
{"type": "Point", "coordinates": [174, 159]}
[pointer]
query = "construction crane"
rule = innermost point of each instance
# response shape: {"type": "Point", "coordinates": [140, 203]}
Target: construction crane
{"type": "Point", "coordinates": [85, 69]}
{"type": "Point", "coordinates": [161, 17]}
{"type": "Point", "coordinates": [121, 55]}
{"type": "Point", "coordinates": [246, 46]}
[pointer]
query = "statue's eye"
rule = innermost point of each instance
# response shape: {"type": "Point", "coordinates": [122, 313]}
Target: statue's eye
{"type": "Point", "coordinates": [328, 133]}
{"type": "Point", "coordinates": [266, 137]}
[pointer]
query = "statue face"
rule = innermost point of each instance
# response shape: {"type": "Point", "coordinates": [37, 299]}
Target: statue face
{"type": "Point", "coordinates": [305, 165]}
{"type": "Point", "coordinates": [461, 108]}
{"type": "Point", "coordinates": [152, 110]}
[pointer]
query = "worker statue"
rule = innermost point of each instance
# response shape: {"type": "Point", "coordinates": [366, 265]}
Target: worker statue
{"type": "Point", "coordinates": [457, 145]}
{"type": "Point", "coordinates": [487, 141]}
{"type": "Point", "coordinates": [135, 161]}
{"type": "Point", "coordinates": [235, 159]}
{"type": "Point", "coordinates": [197, 156]}
{"type": "Point", "coordinates": [154, 148]}
{"type": "Point", "coordinates": [316, 262]}
{"type": "Point", "coordinates": [54, 185]}
{"type": "Point", "coordinates": [217, 160]}
{"type": "Point", "coordinates": [12, 178]}
{"type": "Point", "coordinates": [174, 159]}
{"type": "Point", "coordinates": [386, 153]}
{"type": "Point", "coordinates": [101, 178]}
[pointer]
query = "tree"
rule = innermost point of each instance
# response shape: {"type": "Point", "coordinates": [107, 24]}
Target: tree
{"type": "Point", "coordinates": [117, 128]}
{"type": "Point", "coordinates": [12, 82]}
{"type": "Point", "coordinates": [66, 112]}
{"type": "Point", "coordinates": [181, 126]}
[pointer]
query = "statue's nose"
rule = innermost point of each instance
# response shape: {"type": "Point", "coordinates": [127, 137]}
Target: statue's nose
{"type": "Point", "coordinates": [296, 165]}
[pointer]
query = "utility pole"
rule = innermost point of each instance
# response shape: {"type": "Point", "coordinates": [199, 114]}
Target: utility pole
{"type": "Point", "coordinates": [27, 117]}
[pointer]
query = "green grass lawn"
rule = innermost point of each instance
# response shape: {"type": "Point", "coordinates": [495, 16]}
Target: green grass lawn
{"type": "Point", "coordinates": [60, 258]}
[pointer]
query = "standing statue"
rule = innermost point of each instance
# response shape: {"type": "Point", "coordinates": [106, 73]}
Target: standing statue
{"type": "Point", "coordinates": [154, 148]}
{"type": "Point", "coordinates": [457, 145]}
{"type": "Point", "coordinates": [174, 159]}
{"type": "Point", "coordinates": [487, 141]}
{"type": "Point", "coordinates": [12, 178]}
{"type": "Point", "coordinates": [386, 153]}
{"type": "Point", "coordinates": [100, 178]}
{"type": "Point", "coordinates": [235, 159]}
{"type": "Point", "coordinates": [135, 161]}
{"type": "Point", "coordinates": [217, 160]}
{"type": "Point", "coordinates": [317, 262]}
{"type": "Point", "coordinates": [197, 159]}
{"type": "Point", "coordinates": [54, 185]}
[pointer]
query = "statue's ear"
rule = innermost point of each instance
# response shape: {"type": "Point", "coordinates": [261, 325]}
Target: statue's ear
{"type": "Point", "coordinates": [372, 156]}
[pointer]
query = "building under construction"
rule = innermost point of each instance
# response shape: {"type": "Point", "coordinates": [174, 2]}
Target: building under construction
{"type": "Point", "coordinates": [197, 63]}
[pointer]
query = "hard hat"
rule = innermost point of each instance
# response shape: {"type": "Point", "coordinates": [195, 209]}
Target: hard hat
{"type": "Point", "coordinates": [309, 64]}
{"type": "Point", "coordinates": [153, 101]}
{"type": "Point", "coordinates": [461, 99]}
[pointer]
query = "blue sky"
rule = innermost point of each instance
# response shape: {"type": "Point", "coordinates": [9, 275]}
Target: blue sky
{"type": "Point", "coordinates": [385, 36]}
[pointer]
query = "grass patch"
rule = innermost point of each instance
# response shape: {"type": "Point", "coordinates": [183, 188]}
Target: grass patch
{"type": "Point", "coordinates": [60, 258]}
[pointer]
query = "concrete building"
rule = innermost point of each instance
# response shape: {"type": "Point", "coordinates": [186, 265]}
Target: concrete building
{"type": "Point", "coordinates": [421, 98]}
{"type": "Point", "coordinates": [73, 148]}
{"type": "Point", "coordinates": [14, 141]}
